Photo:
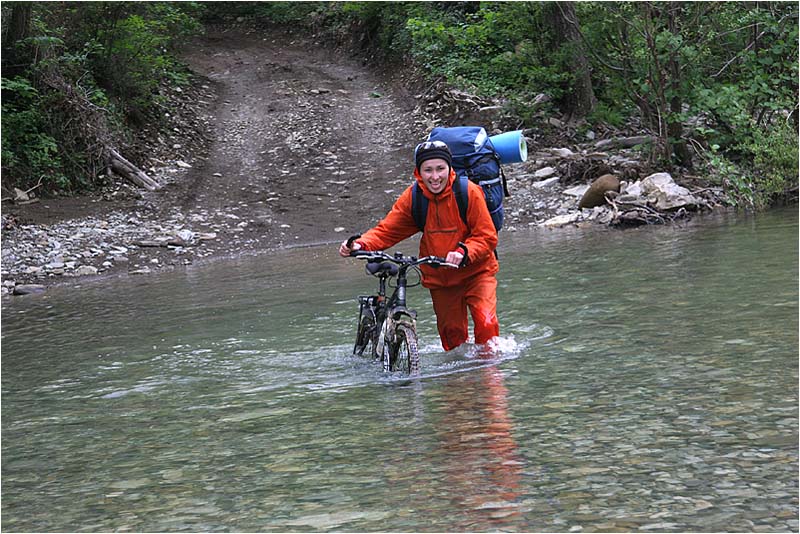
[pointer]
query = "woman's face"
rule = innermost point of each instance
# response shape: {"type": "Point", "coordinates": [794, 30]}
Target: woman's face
{"type": "Point", "coordinates": [434, 173]}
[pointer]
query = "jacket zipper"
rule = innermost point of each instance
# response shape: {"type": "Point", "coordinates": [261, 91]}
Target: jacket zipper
{"type": "Point", "coordinates": [436, 203]}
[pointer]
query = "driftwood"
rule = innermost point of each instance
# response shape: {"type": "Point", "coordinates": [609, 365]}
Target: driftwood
{"type": "Point", "coordinates": [623, 142]}
{"type": "Point", "coordinates": [23, 197]}
{"type": "Point", "coordinates": [637, 213]}
{"type": "Point", "coordinates": [131, 172]}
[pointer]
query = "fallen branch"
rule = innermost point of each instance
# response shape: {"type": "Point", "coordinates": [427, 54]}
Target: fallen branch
{"type": "Point", "coordinates": [35, 186]}
{"type": "Point", "coordinates": [623, 142]}
{"type": "Point", "coordinates": [633, 213]}
{"type": "Point", "coordinates": [131, 172]}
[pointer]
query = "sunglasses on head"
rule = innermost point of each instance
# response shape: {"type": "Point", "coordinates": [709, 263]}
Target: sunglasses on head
{"type": "Point", "coordinates": [427, 145]}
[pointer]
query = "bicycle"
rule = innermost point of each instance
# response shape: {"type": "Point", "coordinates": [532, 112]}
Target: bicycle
{"type": "Point", "coordinates": [387, 326]}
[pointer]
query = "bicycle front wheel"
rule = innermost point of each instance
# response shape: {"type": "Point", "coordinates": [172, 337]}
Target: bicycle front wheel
{"type": "Point", "coordinates": [403, 354]}
{"type": "Point", "coordinates": [366, 337]}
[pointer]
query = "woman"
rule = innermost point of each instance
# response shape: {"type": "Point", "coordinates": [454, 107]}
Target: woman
{"type": "Point", "coordinates": [470, 245]}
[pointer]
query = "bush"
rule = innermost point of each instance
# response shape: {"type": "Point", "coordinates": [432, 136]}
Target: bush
{"type": "Point", "coordinates": [489, 51]}
{"type": "Point", "coordinates": [774, 155]}
{"type": "Point", "coordinates": [87, 71]}
{"type": "Point", "coordinates": [28, 152]}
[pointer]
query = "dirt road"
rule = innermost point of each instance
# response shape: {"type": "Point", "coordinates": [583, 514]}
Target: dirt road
{"type": "Point", "coordinates": [308, 147]}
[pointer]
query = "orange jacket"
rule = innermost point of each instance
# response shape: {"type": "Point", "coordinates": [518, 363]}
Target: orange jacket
{"type": "Point", "coordinates": [444, 228]}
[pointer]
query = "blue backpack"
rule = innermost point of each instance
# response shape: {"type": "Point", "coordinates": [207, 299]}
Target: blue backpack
{"type": "Point", "coordinates": [474, 159]}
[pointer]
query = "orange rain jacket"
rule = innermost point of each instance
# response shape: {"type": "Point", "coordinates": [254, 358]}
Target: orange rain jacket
{"type": "Point", "coordinates": [444, 229]}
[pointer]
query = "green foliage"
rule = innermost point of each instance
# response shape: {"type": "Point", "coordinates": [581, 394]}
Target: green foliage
{"type": "Point", "coordinates": [129, 53]}
{"type": "Point", "coordinates": [746, 92]}
{"type": "Point", "coordinates": [86, 70]}
{"type": "Point", "coordinates": [774, 153]}
{"type": "Point", "coordinates": [605, 113]}
{"type": "Point", "coordinates": [770, 171]}
{"type": "Point", "coordinates": [732, 178]}
{"type": "Point", "coordinates": [25, 143]}
{"type": "Point", "coordinates": [490, 51]}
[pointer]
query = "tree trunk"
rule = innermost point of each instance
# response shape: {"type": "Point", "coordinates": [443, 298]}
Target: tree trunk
{"type": "Point", "coordinates": [674, 122]}
{"type": "Point", "coordinates": [19, 28]}
{"type": "Point", "coordinates": [580, 100]}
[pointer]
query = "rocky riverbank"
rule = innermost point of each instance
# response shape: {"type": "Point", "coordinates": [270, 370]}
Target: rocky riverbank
{"type": "Point", "coordinates": [282, 143]}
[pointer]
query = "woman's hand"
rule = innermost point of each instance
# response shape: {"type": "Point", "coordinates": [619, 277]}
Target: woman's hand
{"type": "Point", "coordinates": [455, 257]}
{"type": "Point", "coordinates": [345, 250]}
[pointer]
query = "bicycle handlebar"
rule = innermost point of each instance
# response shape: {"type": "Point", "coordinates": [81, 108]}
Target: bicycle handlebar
{"type": "Point", "coordinates": [399, 259]}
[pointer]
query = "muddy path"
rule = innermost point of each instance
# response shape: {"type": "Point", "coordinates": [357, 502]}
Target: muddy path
{"type": "Point", "coordinates": [308, 147]}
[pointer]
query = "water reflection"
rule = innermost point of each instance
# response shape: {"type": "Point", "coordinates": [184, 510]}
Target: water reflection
{"type": "Point", "coordinates": [482, 466]}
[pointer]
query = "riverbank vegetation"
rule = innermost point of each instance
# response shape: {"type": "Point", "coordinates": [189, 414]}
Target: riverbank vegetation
{"type": "Point", "coordinates": [713, 84]}
{"type": "Point", "coordinates": [79, 81]}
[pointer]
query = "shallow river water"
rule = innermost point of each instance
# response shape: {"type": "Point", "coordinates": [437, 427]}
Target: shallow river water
{"type": "Point", "coordinates": [645, 380]}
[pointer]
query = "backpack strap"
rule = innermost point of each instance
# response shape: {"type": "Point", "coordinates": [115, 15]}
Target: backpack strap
{"type": "Point", "coordinates": [419, 202]}
{"type": "Point", "coordinates": [461, 191]}
{"type": "Point", "coordinates": [419, 207]}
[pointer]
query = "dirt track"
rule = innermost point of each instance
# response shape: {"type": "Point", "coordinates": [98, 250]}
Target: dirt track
{"type": "Point", "coordinates": [305, 143]}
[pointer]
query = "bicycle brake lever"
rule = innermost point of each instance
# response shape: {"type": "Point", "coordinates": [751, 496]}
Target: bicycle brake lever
{"type": "Point", "coordinates": [351, 239]}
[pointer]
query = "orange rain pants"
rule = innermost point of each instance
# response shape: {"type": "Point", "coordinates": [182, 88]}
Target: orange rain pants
{"type": "Point", "coordinates": [479, 294]}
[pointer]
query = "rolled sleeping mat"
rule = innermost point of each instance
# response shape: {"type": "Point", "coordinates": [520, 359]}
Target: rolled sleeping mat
{"type": "Point", "coordinates": [510, 146]}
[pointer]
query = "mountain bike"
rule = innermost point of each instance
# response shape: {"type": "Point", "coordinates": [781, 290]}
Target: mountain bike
{"type": "Point", "coordinates": [387, 328]}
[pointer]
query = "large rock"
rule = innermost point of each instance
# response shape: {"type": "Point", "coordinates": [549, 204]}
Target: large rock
{"type": "Point", "coordinates": [664, 194]}
{"type": "Point", "coordinates": [596, 194]}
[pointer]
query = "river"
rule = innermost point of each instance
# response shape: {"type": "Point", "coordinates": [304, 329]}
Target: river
{"type": "Point", "coordinates": [645, 380]}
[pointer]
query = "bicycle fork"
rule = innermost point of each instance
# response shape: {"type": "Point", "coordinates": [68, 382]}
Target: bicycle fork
{"type": "Point", "coordinates": [387, 332]}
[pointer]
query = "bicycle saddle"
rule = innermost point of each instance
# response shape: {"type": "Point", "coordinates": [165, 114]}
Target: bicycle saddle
{"type": "Point", "coordinates": [382, 267]}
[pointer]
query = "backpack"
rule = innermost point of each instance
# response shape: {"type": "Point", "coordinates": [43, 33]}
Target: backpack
{"type": "Point", "coordinates": [474, 159]}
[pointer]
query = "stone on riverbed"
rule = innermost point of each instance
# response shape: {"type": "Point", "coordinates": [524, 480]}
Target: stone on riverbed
{"type": "Point", "coordinates": [544, 172]}
{"type": "Point", "coordinates": [28, 289]}
{"type": "Point", "coordinates": [576, 191]}
{"type": "Point", "coordinates": [562, 220]}
{"type": "Point", "coordinates": [546, 183]}
{"type": "Point", "coordinates": [85, 270]}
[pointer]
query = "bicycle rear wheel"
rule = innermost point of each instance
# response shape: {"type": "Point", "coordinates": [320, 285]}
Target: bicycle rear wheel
{"type": "Point", "coordinates": [366, 337]}
{"type": "Point", "coordinates": [403, 354]}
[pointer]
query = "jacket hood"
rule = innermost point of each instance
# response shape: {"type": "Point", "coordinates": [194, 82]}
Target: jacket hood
{"type": "Point", "coordinates": [447, 187]}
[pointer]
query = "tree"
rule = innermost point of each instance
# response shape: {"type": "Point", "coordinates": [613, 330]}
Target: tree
{"type": "Point", "coordinates": [19, 29]}
{"type": "Point", "coordinates": [662, 30]}
{"type": "Point", "coordinates": [649, 52]}
{"type": "Point", "coordinates": [580, 99]}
